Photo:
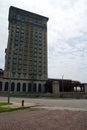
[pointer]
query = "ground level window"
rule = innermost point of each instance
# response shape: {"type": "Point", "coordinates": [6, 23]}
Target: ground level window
{"type": "Point", "coordinates": [0, 86]}
{"type": "Point", "coordinates": [29, 87]}
{"type": "Point", "coordinates": [24, 87]}
{"type": "Point", "coordinates": [34, 87]}
{"type": "Point", "coordinates": [18, 87]}
{"type": "Point", "coordinates": [6, 86]}
{"type": "Point", "coordinates": [12, 86]}
{"type": "Point", "coordinates": [39, 88]}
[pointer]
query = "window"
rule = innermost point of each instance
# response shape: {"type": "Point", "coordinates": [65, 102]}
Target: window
{"type": "Point", "coordinates": [19, 73]}
{"type": "Point", "coordinates": [40, 56]}
{"type": "Point", "coordinates": [14, 66]}
{"type": "Point", "coordinates": [35, 63]}
{"type": "Point", "coordinates": [40, 47]}
{"type": "Point", "coordinates": [39, 88]}
{"type": "Point", "coordinates": [35, 50]}
{"type": "Point", "coordinates": [6, 86]}
{"type": "Point", "coordinates": [0, 86]}
{"type": "Point", "coordinates": [16, 38]}
{"type": "Point", "coordinates": [35, 76]}
{"type": "Point", "coordinates": [13, 75]}
{"type": "Point", "coordinates": [34, 87]}
{"type": "Point", "coordinates": [22, 39]}
{"type": "Point", "coordinates": [12, 86]}
{"type": "Point", "coordinates": [40, 37]}
{"type": "Point", "coordinates": [20, 57]}
{"type": "Point", "coordinates": [18, 17]}
{"type": "Point", "coordinates": [24, 87]}
{"type": "Point", "coordinates": [18, 87]}
{"type": "Point", "coordinates": [40, 63]}
{"type": "Point", "coordinates": [22, 31]}
{"type": "Point", "coordinates": [17, 26]}
{"type": "Point", "coordinates": [16, 44]}
{"type": "Point", "coordinates": [35, 54]}
{"type": "Point", "coordinates": [35, 59]}
{"type": "Point", "coordinates": [20, 61]}
{"type": "Point", "coordinates": [14, 61]}
{"type": "Point", "coordinates": [22, 18]}
{"type": "Point", "coordinates": [17, 34]}
{"type": "Point", "coordinates": [19, 69]}
{"type": "Point", "coordinates": [21, 43]}
{"type": "Point", "coordinates": [40, 40]}
{"type": "Point", "coordinates": [29, 87]}
{"type": "Point", "coordinates": [17, 30]}
{"type": "Point", "coordinates": [20, 52]}
{"type": "Point", "coordinates": [40, 43]}
{"type": "Point", "coordinates": [35, 46]}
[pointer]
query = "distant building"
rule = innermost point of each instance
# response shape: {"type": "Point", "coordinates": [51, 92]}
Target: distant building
{"type": "Point", "coordinates": [26, 59]}
{"type": "Point", "coordinates": [26, 52]}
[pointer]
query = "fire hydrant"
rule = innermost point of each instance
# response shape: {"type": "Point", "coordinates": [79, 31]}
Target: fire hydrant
{"type": "Point", "coordinates": [22, 103]}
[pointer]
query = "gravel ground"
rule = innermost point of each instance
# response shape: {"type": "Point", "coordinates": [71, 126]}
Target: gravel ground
{"type": "Point", "coordinates": [43, 120]}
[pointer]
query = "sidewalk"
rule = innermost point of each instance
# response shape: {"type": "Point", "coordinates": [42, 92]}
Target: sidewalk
{"type": "Point", "coordinates": [59, 108]}
{"type": "Point", "coordinates": [43, 120]}
{"type": "Point", "coordinates": [17, 105]}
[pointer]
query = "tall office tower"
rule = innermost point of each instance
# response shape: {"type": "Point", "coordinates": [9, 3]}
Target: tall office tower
{"type": "Point", "coordinates": [26, 53]}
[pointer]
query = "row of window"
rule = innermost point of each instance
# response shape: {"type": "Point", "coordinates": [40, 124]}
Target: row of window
{"type": "Point", "coordinates": [28, 19]}
{"type": "Point", "coordinates": [24, 87]}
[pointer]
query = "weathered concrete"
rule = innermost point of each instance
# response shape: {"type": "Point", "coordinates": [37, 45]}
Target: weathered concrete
{"type": "Point", "coordinates": [55, 87]}
{"type": "Point", "coordinates": [85, 86]}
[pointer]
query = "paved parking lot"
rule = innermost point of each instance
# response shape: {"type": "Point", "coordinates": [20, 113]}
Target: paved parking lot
{"type": "Point", "coordinates": [78, 104]}
{"type": "Point", "coordinates": [43, 120]}
{"type": "Point", "coordinates": [46, 119]}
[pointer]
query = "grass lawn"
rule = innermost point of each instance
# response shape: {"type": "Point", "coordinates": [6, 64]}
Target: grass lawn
{"type": "Point", "coordinates": [5, 107]}
{"type": "Point", "coordinates": [4, 103]}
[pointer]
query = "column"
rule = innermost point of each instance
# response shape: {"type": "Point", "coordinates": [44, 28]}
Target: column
{"type": "Point", "coordinates": [21, 87]}
{"type": "Point", "coordinates": [81, 89]}
{"type": "Point", "coordinates": [55, 87]}
{"type": "Point", "coordinates": [15, 87]}
{"type": "Point", "coordinates": [85, 87]}
{"type": "Point", "coordinates": [26, 87]}
{"type": "Point", "coordinates": [3, 85]}
{"type": "Point", "coordinates": [37, 87]}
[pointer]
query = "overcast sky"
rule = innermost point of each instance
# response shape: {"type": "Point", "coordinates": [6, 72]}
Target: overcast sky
{"type": "Point", "coordinates": [67, 34]}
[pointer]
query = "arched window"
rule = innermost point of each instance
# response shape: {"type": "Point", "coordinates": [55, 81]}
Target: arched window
{"type": "Point", "coordinates": [12, 86]}
{"type": "Point", "coordinates": [0, 86]}
{"type": "Point", "coordinates": [6, 86]}
{"type": "Point", "coordinates": [29, 87]}
{"type": "Point", "coordinates": [39, 88]}
{"type": "Point", "coordinates": [24, 87]}
{"type": "Point", "coordinates": [34, 87]}
{"type": "Point", "coordinates": [18, 87]}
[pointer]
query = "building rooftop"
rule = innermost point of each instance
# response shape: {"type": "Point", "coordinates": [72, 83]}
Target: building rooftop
{"type": "Point", "coordinates": [27, 13]}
